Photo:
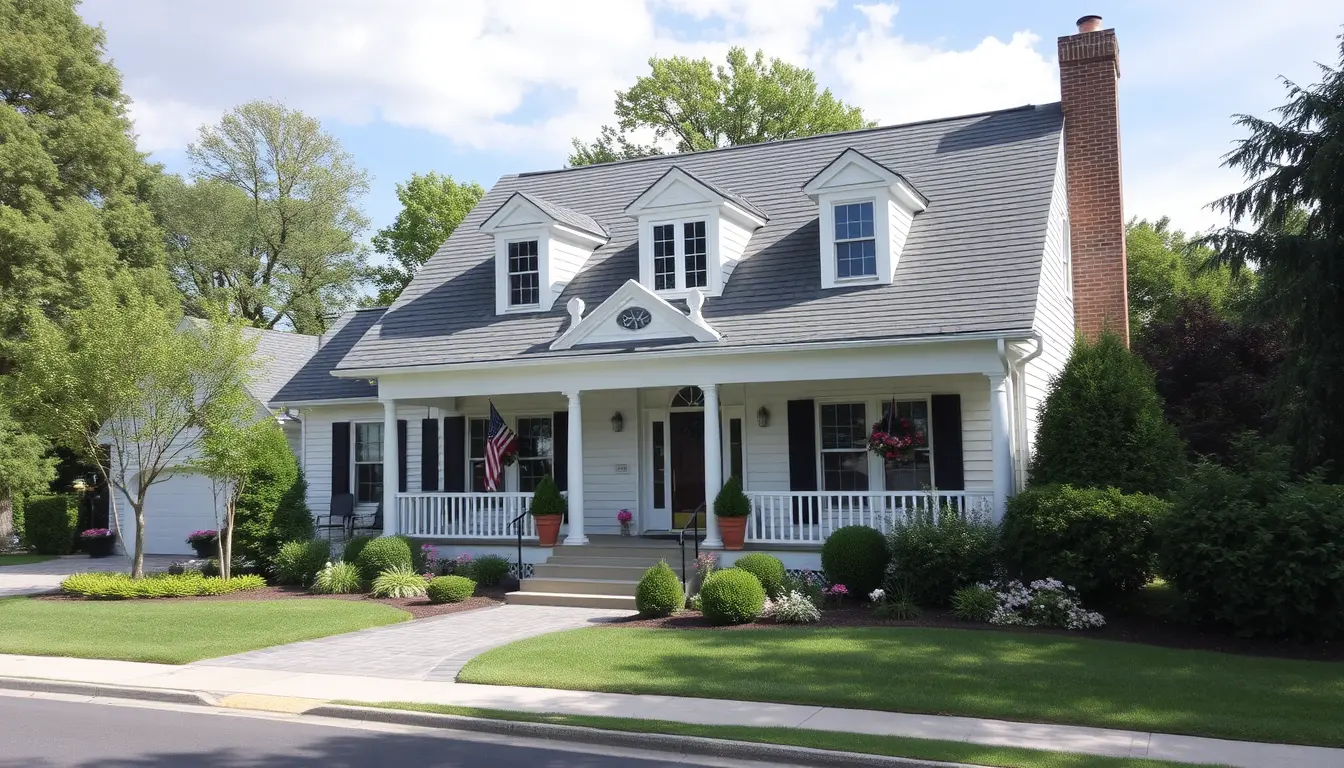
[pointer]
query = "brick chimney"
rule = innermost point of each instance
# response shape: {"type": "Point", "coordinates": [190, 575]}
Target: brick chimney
{"type": "Point", "coordinates": [1089, 71]}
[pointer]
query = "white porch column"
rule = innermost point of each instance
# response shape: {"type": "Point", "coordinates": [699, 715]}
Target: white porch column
{"type": "Point", "coordinates": [1000, 440]}
{"type": "Point", "coordinates": [575, 471]}
{"type": "Point", "coordinates": [713, 463]}
{"type": "Point", "coordinates": [390, 467]}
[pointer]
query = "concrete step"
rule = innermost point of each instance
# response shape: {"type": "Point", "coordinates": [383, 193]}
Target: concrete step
{"type": "Point", "coordinates": [590, 571]}
{"type": "Point", "coordinates": [580, 586]}
{"type": "Point", "coordinates": [602, 552]}
{"type": "Point", "coordinates": [628, 562]}
{"type": "Point", "coordinates": [571, 600]}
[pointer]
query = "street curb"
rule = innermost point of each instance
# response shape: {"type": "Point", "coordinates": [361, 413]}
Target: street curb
{"type": "Point", "coordinates": [106, 691]}
{"type": "Point", "coordinates": [685, 745]}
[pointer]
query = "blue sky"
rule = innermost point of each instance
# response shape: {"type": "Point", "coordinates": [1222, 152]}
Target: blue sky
{"type": "Point", "coordinates": [479, 89]}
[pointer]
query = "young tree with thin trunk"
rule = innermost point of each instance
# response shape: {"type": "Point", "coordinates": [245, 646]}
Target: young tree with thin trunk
{"type": "Point", "coordinates": [120, 372]}
{"type": "Point", "coordinates": [228, 455]}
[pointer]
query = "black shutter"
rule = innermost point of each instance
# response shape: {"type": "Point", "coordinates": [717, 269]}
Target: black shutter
{"type": "Point", "coordinates": [948, 470]}
{"type": "Point", "coordinates": [429, 455]}
{"type": "Point", "coordinates": [803, 455]}
{"type": "Point", "coordinates": [340, 457]}
{"type": "Point", "coordinates": [455, 454]}
{"type": "Point", "coordinates": [560, 449]}
{"type": "Point", "coordinates": [401, 455]}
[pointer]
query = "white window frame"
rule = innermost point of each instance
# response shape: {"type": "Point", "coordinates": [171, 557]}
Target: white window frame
{"type": "Point", "coordinates": [516, 469]}
{"type": "Point", "coordinates": [354, 455]}
{"type": "Point", "coordinates": [822, 450]}
{"type": "Point", "coordinates": [511, 476]}
{"type": "Point", "coordinates": [835, 243]}
{"type": "Point", "coordinates": [876, 465]}
{"type": "Point", "coordinates": [679, 255]}
{"type": "Point", "coordinates": [510, 273]}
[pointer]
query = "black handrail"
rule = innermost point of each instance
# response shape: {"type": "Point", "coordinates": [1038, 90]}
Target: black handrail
{"type": "Point", "coordinates": [517, 521]}
{"type": "Point", "coordinates": [681, 542]}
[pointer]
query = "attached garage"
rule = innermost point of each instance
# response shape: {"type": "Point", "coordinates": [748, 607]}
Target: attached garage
{"type": "Point", "coordinates": [183, 503]}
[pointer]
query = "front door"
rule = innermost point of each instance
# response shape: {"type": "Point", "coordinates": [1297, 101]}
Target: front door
{"type": "Point", "coordinates": [687, 460]}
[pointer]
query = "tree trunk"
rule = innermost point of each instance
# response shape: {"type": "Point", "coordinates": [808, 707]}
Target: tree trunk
{"type": "Point", "coordinates": [6, 519]}
{"type": "Point", "coordinates": [138, 562]}
{"type": "Point", "coordinates": [227, 538]}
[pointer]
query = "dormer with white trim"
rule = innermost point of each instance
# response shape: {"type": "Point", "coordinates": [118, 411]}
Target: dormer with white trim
{"type": "Point", "coordinates": [692, 234]}
{"type": "Point", "coordinates": [539, 248]}
{"type": "Point", "coordinates": [866, 210]}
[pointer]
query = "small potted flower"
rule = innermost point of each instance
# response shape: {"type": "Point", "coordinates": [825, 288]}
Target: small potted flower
{"type": "Point", "coordinates": [624, 517]}
{"type": "Point", "coordinates": [98, 542]}
{"type": "Point", "coordinates": [731, 507]}
{"type": "Point", "coordinates": [548, 510]}
{"type": "Point", "coordinates": [204, 542]}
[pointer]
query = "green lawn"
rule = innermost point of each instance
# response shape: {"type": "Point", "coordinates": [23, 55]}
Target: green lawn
{"type": "Point", "coordinates": [24, 559]}
{"type": "Point", "coordinates": [892, 746]}
{"type": "Point", "coordinates": [176, 632]}
{"type": "Point", "coordinates": [1012, 676]}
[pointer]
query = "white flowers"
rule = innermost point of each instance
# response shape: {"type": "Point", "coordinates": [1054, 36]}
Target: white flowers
{"type": "Point", "coordinates": [877, 595]}
{"type": "Point", "coordinates": [793, 608]}
{"type": "Point", "coordinates": [1043, 603]}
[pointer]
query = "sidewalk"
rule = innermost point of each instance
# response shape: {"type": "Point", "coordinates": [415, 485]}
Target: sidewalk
{"type": "Point", "coordinates": [1096, 741]}
{"type": "Point", "coordinates": [46, 576]}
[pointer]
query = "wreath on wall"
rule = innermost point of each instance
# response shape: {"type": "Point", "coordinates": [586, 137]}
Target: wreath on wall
{"type": "Point", "coordinates": [895, 437]}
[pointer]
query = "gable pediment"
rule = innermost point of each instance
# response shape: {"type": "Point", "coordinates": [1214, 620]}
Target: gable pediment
{"type": "Point", "coordinates": [853, 170]}
{"type": "Point", "coordinates": [633, 315]}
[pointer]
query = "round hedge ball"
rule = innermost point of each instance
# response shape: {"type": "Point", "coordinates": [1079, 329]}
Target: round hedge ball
{"type": "Point", "coordinates": [382, 554]}
{"type": "Point", "coordinates": [855, 556]}
{"type": "Point", "coordinates": [659, 592]}
{"type": "Point", "coordinates": [767, 568]}
{"type": "Point", "coordinates": [732, 596]}
{"type": "Point", "coordinates": [449, 589]}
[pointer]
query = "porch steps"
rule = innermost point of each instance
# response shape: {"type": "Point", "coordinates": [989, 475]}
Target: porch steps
{"type": "Point", "coordinates": [601, 574]}
{"type": "Point", "coordinates": [643, 563]}
{"type": "Point", "coordinates": [610, 587]}
{"type": "Point", "coordinates": [571, 600]}
{"type": "Point", "coordinates": [554, 570]}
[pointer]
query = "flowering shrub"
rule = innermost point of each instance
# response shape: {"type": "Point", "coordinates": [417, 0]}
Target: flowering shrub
{"type": "Point", "coordinates": [705, 564]}
{"type": "Point", "coordinates": [429, 556]}
{"type": "Point", "coordinates": [202, 537]}
{"type": "Point", "coordinates": [1042, 603]}
{"type": "Point", "coordinates": [793, 608]}
{"type": "Point", "coordinates": [96, 533]}
{"type": "Point", "coordinates": [877, 596]}
{"type": "Point", "coordinates": [834, 594]}
{"type": "Point", "coordinates": [623, 517]}
{"type": "Point", "coordinates": [458, 566]}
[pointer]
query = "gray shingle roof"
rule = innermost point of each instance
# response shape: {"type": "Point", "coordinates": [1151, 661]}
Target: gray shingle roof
{"type": "Point", "coordinates": [279, 356]}
{"type": "Point", "coordinates": [971, 262]}
{"type": "Point", "coordinates": [313, 380]}
{"type": "Point", "coordinates": [579, 221]}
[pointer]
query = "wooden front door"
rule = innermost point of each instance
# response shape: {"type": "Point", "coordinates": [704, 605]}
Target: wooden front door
{"type": "Point", "coordinates": [687, 460]}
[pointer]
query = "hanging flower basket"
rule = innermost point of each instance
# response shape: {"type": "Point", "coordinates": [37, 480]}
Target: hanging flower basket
{"type": "Point", "coordinates": [895, 438]}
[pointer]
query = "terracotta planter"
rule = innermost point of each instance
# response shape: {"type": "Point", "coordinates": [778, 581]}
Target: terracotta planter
{"type": "Point", "coordinates": [548, 529]}
{"type": "Point", "coordinates": [733, 530]}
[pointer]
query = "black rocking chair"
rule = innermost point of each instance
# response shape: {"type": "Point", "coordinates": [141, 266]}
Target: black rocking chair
{"type": "Point", "coordinates": [339, 517]}
{"type": "Point", "coordinates": [375, 521]}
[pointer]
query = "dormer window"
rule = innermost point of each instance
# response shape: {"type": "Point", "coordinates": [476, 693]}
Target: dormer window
{"type": "Point", "coordinates": [539, 248]}
{"type": "Point", "coordinates": [665, 257]}
{"type": "Point", "coordinates": [695, 254]}
{"type": "Point", "coordinates": [524, 275]}
{"type": "Point", "coordinates": [855, 245]}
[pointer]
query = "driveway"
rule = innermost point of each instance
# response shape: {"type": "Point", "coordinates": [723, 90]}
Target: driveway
{"type": "Point", "coordinates": [46, 576]}
{"type": "Point", "coordinates": [432, 649]}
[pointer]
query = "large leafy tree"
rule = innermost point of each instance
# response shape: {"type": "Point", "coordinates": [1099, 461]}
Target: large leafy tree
{"type": "Point", "coordinates": [431, 208]}
{"type": "Point", "coordinates": [25, 467]}
{"type": "Point", "coordinates": [73, 188]}
{"type": "Point", "coordinates": [1295, 202]}
{"type": "Point", "coordinates": [699, 106]}
{"type": "Point", "coordinates": [269, 229]}
{"type": "Point", "coordinates": [1165, 271]}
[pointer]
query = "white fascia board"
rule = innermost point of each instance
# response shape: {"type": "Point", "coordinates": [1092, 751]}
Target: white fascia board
{"type": "Point", "coordinates": [281, 404]}
{"type": "Point", "coordinates": [631, 293]}
{"type": "Point", "coordinates": [854, 172]}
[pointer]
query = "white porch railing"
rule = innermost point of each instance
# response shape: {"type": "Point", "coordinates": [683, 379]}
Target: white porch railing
{"type": "Point", "coordinates": [809, 517]}
{"type": "Point", "coordinates": [464, 515]}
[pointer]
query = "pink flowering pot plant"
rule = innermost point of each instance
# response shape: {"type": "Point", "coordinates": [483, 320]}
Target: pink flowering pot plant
{"type": "Point", "coordinates": [624, 517]}
{"type": "Point", "coordinates": [98, 542]}
{"type": "Point", "coordinates": [206, 543]}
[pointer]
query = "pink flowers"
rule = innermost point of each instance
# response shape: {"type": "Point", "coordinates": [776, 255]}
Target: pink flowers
{"type": "Point", "coordinates": [624, 516]}
{"type": "Point", "coordinates": [98, 533]}
{"type": "Point", "coordinates": [836, 590]}
{"type": "Point", "coordinates": [202, 537]}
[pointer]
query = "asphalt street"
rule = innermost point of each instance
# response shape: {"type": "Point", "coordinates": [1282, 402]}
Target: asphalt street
{"type": "Point", "coordinates": [47, 733]}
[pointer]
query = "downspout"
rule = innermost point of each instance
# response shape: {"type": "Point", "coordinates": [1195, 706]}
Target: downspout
{"type": "Point", "coordinates": [1012, 399]}
{"type": "Point", "coordinates": [1021, 407]}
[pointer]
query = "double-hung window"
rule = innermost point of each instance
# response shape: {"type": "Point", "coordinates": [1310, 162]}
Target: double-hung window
{"type": "Point", "coordinates": [536, 451]}
{"type": "Point", "coordinates": [680, 255]}
{"type": "Point", "coordinates": [477, 429]}
{"type": "Point", "coordinates": [855, 244]}
{"type": "Point", "coordinates": [844, 447]}
{"type": "Point", "coordinates": [664, 257]}
{"type": "Point", "coordinates": [913, 473]}
{"type": "Point", "coordinates": [696, 254]}
{"type": "Point", "coordinates": [524, 277]}
{"type": "Point", "coordinates": [368, 462]}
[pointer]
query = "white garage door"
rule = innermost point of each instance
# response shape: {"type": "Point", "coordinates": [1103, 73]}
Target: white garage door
{"type": "Point", "coordinates": [173, 509]}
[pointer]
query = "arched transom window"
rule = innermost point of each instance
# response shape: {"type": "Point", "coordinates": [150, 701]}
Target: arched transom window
{"type": "Point", "coordinates": [689, 397]}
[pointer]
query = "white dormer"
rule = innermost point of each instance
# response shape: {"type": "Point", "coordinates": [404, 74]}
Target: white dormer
{"type": "Point", "coordinates": [692, 234]}
{"type": "Point", "coordinates": [866, 210]}
{"type": "Point", "coordinates": [539, 248]}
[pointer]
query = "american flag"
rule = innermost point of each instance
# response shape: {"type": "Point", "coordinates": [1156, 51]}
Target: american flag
{"type": "Point", "coordinates": [499, 441]}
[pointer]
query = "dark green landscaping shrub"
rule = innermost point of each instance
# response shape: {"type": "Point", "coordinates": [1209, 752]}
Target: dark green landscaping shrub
{"type": "Point", "coordinates": [297, 562]}
{"type": "Point", "coordinates": [16, 504]}
{"type": "Point", "coordinates": [731, 596]}
{"type": "Point", "coordinates": [974, 603]}
{"type": "Point", "coordinates": [489, 570]}
{"type": "Point", "coordinates": [272, 508]}
{"type": "Point", "coordinates": [546, 500]}
{"type": "Point", "coordinates": [450, 589]}
{"type": "Point", "coordinates": [354, 546]}
{"type": "Point", "coordinates": [1097, 541]}
{"type": "Point", "coordinates": [659, 592]}
{"type": "Point", "coordinates": [399, 581]}
{"type": "Point", "coordinates": [766, 568]}
{"type": "Point", "coordinates": [1250, 550]}
{"type": "Point", "coordinates": [337, 579]}
{"type": "Point", "coordinates": [120, 586]}
{"type": "Point", "coordinates": [731, 501]}
{"type": "Point", "coordinates": [1102, 425]}
{"type": "Point", "coordinates": [938, 557]}
{"type": "Point", "coordinates": [419, 558]}
{"type": "Point", "coordinates": [50, 524]}
{"type": "Point", "coordinates": [855, 556]}
{"type": "Point", "coordinates": [381, 554]}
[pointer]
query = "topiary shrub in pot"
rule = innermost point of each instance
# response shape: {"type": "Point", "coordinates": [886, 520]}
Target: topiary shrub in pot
{"type": "Point", "coordinates": [855, 556]}
{"type": "Point", "coordinates": [548, 510]}
{"type": "Point", "coordinates": [768, 569]}
{"type": "Point", "coordinates": [731, 507]}
{"type": "Point", "coordinates": [659, 592]}
{"type": "Point", "coordinates": [450, 589]}
{"type": "Point", "coordinates": [50, 524]}
{"type": "Point", "coordinates": [382, 554]}
{"type": "Point", "coordinates": [732, 596]}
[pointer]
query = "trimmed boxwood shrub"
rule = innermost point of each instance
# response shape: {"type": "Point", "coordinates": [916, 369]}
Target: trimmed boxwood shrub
{"type": "Point", "coordinates": [298, 562]}
{"type": "Point", "coordinates": [50, 524]}
{"type": "Point", "coordinates": [450, 589]}
{"type": "Point", "coordinates": [354, 546]}
{"type": "Point", "coordinates": [768, 569]}
{"type": "Point", "coordinates": [732, 596]}
{"type": "Point", "coordinates": [489, 570]}
{"type": "Point", "coordinates": [1099, 541]}
{"type": "Point", "coordinates": [659, 592]}
{"type": "Point", "coordinates": [731, 501]}
{"type": "Point", "coordinates": [382, 554]}
{"type": "Point", "coordinates": [855, 556]}
{"type": "Point", "coordinates": [935, 558]}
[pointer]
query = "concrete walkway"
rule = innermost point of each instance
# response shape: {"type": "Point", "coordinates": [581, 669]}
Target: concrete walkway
{"type": "Point", "coordinates": [326, 687]}
{"type": "Point", "coordinates": [46, 576]}
{"type": "Point", "coordinates": [425, 649]}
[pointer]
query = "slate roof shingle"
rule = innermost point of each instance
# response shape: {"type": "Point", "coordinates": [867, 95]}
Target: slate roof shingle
{"type": "Point", "coordinates": [313, 380]}
{"type": "Point", "coordinates": [580, 221]}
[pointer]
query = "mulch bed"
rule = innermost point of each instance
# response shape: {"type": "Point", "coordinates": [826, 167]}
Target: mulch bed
{"type": "Point", "coordinates": [418, 607]}
{"type": "Point", "coordinates": [1119, 627]}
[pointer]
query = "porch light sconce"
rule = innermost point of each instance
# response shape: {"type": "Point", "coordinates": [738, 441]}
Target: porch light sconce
{"type": "Point", "coordinates": [763, 417]}
{"type": "Point", "coordinates": [617, 422]}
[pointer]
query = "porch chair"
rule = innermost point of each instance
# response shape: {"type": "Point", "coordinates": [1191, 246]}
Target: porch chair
{"type": "Point", "coordinates": [340, 515]}
{"type": "Point", "coordinates": [375, 521]}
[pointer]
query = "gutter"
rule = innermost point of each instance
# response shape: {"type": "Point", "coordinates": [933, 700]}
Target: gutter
{"type": "Point", "coordinates": [1021, 404]}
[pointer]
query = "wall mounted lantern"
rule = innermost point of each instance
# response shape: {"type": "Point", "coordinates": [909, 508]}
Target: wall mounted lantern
{"type": "Point", "coordinates": [763, 416]}
{"type": "Point", "coordinates": [617, 422]}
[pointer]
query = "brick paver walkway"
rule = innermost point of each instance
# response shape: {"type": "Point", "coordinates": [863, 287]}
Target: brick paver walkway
{"type": "Point", "coordinates": [46, 576]}
{"type": "Point", "coordinates": [432, 649]}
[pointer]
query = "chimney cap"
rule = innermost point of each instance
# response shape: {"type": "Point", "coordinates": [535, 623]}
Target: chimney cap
{"type": "Point", "coordinates": [1089, 23]}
